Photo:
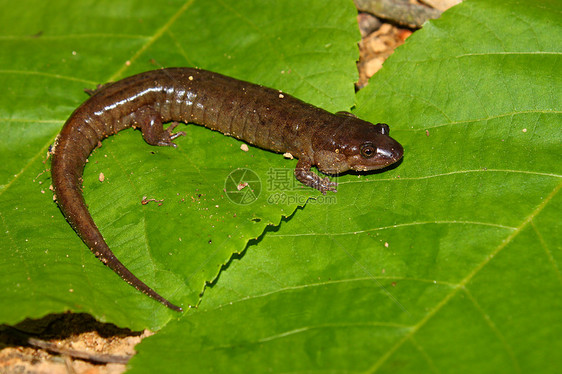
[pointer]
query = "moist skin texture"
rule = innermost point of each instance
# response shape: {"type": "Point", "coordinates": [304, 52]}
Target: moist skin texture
{"type": "Point", "coordinates": [264, 117]}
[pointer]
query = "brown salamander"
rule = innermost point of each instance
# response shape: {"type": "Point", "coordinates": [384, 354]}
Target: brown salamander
{"type": "Point", "coordinates": [267, 118]}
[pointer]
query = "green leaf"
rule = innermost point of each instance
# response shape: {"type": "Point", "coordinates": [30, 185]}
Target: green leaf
{"type": "Point", "coordinates": [449, 262]}
{"type": "Point", "coordinates": [181, 244]}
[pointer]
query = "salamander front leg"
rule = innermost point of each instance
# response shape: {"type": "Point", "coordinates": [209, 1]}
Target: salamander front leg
{"type": "Point", "coordinates": [174, 135]}
{"type": "Point", "coordinates": [309, 178]}
{"type": "Point", "coordinates": [152, 128]}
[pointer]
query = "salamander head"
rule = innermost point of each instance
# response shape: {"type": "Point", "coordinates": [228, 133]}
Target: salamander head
{"type": "Point", "coordinates": [356, 145]}
{"type": "Point", "coordinates": [372, 148]}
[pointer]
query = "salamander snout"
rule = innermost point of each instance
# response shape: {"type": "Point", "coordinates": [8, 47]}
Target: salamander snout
{"type": "Point", "coordinates": [392, 152]}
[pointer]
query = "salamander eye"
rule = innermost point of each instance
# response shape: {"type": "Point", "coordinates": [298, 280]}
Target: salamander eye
{"type": "Point", "coordinates": [385, 130]}
{"type": "Point", "coordinates": [368, 150]}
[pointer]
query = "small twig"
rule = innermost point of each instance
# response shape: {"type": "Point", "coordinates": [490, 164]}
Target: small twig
{"type": "Point", "coordinates": [94, 357]}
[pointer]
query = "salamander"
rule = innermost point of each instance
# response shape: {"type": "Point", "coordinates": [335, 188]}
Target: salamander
{"type": "Point", "coordinates": [261, 116]}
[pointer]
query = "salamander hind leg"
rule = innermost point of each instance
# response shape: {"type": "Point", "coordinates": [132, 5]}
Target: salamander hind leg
{"type": "Point", "coordinates": [153, 132]}
{"type": "Point", "coordinates": [309, 178]}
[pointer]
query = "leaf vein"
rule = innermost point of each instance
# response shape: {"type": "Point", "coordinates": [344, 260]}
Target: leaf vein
{"type": "Point", "coordinates": [425, 355]}
{"type": "Point", "coordinates": [548, 252]}
{"type": "Point", "coordinates": [509, 53]}
{"type": "Point", "coordinates": [330, 283]}
{"type": "Point", "coordinates": [454, 173]}
{"type": "Point", "coordinates": [508, 114]}
{"type": "Point", "coordinates": [72, 36]}
{"type": "Point", "coordinates": [152, 39]}
{"type": "Point", "coordinates": [49, 75]}
{"type": "Point", "coordinates": [445, 222]}
{"type": "Point", "coordinates": [378, 364]}
{"type": "Point", "coordinates": [329, 326]}
{"type": "Point", "coordinates": [494, 329]}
